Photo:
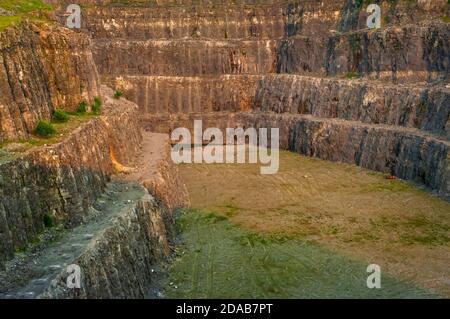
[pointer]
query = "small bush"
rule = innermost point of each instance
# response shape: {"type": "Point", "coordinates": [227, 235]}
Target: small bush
{"type": "Point", "coordinates": [82, 107]}
{"type": "Point", "coordinates": [118, 94]}
{"type": "Point", "coordinates": [45, 129]}
{"type": "Point", "coordinates": [97, 106]}
{"type": "Point", "coordinates": [352, 75]}
{"type": "Point", "coordinates": [60, 116]}
{"type": "Point", "coordinates": [48, 221]}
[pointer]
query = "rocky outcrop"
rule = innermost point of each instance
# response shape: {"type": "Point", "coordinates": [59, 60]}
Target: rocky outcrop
{"type": "Point", "coordinates": [61, 181]}
{"type": "Point", "coordinates": [42, 67]}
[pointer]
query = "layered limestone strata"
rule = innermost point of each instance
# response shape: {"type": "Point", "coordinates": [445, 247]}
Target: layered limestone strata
{"type": "Point", "coordinates": [404, 152]}
{"type": "Point", "coordinates": [126, 235]}
{"type": "Point", "coordinates": [242, 19]}
{"type": "Point", "coordinates": [411, 53]}
{"type": "Point", "coordinates": [261, 21]}
{"type": "Point", "coordinates": [42, 67]}
{"type": "Point", "coordinates": [183, 66]}
{"type": "Point", "coordinates": [61, 181]}
{"type": "Point", "coordinates": [318, 38]}
{"type": "Point", "coordinates": [423, 107]}
{"type": "Point", "coordinates": [184, 57]}
{"type": "Point", "coordinates": [115, 251]}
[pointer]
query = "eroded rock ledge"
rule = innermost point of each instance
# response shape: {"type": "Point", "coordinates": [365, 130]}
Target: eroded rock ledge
{"type": "Point", "coordinates": [61, 181]}
{"type": "Point", "coordinates": [42, 67]}
{"type": "Point", "coordinates": [404, 152]}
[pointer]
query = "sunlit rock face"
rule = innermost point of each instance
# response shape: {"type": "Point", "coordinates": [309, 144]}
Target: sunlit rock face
{"type": "Point", "coordinates": [311, 60]}
{"type": "Point", "coordinates": [42, 68]}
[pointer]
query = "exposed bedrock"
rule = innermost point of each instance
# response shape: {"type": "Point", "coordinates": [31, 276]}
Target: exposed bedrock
{"type": "Point", "coordinates": [124, 238]}
{"type": "Point", "coordinates": [306, 37]}
{"type": "Point", "coordinates": [410, 53]}
{"type": "Point", "coordinates": [403, 152]}
{"type": "Point", "coordinates": [242, 19]}
{"type": "Point", "coordinates": [423, 107]}
{"type": "Point", "coordinates": [184, 57]}
{"type": "Point", "coordinates": [42, 67]}
{"type": "Point", "coordinates": [61, 181]}
{"type": "Point", "coordinates": [232, 21]}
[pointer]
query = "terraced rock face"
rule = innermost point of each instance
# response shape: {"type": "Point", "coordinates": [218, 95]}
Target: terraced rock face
{"type": "Point", "coordinates": [377, 98]}
{"type": "Point", "coordinates": [285, 64]}
{"type": "Point", "coordinates": [60, 182]}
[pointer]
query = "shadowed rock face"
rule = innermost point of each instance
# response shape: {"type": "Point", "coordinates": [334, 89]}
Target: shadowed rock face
{"type": "Point", "coordinates": [42, 68]}
{"type": "Point", "coordinates": [63, 180]}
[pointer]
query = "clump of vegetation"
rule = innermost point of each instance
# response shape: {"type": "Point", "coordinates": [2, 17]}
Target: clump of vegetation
{"type": "Point", "coordinates": [20, 10]}
{"type": "Point", "coordinates": [446, 19]}
{"type": "Point", "coordinates": [96, 107]}
{"type": "Point", "coordinates": [82, 107]}
{"type": "Point", "coordinates": [352, 75]}
{"type": "Point", "coordinates": [60, 116]}
{"type": "Point", "coordinates": [45, 129]}
{"type": "Point", "coordinates": [48, 221]}
{"type": "Point", "coordinates": [118, 94]}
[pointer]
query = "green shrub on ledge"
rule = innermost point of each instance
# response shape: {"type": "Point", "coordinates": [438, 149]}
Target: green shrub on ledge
{"type": "Point", "coordinates": [96, 107]}
{"type": "Point", "coordinates": [45, 129]}
{"type": "Point", "coordinates": [82, 108]}
{"type": "Point", "coordinates": [118, 94]}
{"type": "Point", "coordinates": [60, 116]}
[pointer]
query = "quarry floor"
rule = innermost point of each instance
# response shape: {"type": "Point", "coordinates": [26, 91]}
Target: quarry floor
{"type": "Point", "coordinates": [309, 231]}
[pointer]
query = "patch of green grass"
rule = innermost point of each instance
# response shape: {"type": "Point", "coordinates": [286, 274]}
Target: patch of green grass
{"type": "Point", "coordinates": [45, 129]}
{"type": "Point", "coordinates": [21, 249]}
{"type": "Point", "coordinates": [82, 108]}
{"type": "Point", "coordinates": [96, 107]}
{"type": "Point", "coordinates": [60, 116]}
{"type": "Point", "coordinates": [388, 185]}
{"type": "Point", "coordinates": [352, 75]}
{"type": "Point", "coordinates": [229, 210]}
{"type": "Point", "coordinates": [48, 221]}
{"type": "Point", "coordinates": [446, 19]}
{"type": "Point", "coordinates": [222, 260]}
{"type": "Point", "coordinates": [20, 9]}
{"type": "Point", "coordinates": [118, 94]}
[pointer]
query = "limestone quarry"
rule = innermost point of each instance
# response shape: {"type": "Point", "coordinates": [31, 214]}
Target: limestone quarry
{"type": "Point", "coordinates": [87, 177]}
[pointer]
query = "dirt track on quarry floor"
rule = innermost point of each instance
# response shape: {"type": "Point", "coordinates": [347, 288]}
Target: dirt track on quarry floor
{"type": "Point", "coordinates": [344, 209]}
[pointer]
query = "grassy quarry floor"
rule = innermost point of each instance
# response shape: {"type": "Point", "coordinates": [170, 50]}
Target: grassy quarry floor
{"type": "Point", "coordinates": [309, 231]}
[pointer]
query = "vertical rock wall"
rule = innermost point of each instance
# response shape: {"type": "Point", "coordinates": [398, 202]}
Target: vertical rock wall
{"type": "Point", "coordinates": [42, 68]}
